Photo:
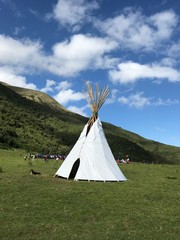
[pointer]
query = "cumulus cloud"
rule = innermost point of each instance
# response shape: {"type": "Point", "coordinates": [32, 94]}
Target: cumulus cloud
{"type": "Point", "coordinates": [168, 61]}
{"type": "Point", "coordinates": [80, 53]}
{"type": "Point", "coordinates": [63, 85]}
{"type": "Point", "coordinates": [73, 13]}
{"type": "Point", "coordinates": [165, 23]}
{"type": "Point", "coordinates": [129, 72]}
{"type": "Point", "coordinates": [174, 50]}
{"type": "Point", "coordinates": [20, 53]}
{"type": "Point", "coordinates": [68, 58]}
{"type": "Point", "coordinates": [17, 58]}
{"type": "Point", "coordinates": [79, 110]}
{"type": "Point", "coordinates": [49, 86]}
{"type": "Point", "coordinates": [9, 77]}
{"type": "Point", "coordinates": [135, 31]}
{"type": "Point", "coordinates": [65, 96]}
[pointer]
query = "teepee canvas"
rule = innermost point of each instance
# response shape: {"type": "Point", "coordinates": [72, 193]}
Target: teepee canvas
{"type": "Point", "coordinates": [91, 157]}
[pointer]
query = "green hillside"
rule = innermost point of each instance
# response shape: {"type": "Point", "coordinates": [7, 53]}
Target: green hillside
{"type": "Point", "coordinates": [35, 122]}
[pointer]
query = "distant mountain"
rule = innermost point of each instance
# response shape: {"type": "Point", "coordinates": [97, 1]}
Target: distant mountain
{"type": "Point", "coordinates": [34, 121]}
{"type": "Point", "coordinates": [36, 96]}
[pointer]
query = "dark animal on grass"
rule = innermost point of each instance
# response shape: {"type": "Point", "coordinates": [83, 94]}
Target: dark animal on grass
{"type": "Point", "coordinates": [34, 172]}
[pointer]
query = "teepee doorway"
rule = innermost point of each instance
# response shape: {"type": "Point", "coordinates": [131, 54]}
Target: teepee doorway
{"type": "Point", "coordinates": [74, 169]}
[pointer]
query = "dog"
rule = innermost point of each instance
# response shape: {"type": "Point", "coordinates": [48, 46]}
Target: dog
{"type": "Point", "coordinates": [34, 173]}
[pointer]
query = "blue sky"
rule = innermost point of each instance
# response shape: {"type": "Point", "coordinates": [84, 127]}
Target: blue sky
{"type": "Point", "coordinates": [132, 46]}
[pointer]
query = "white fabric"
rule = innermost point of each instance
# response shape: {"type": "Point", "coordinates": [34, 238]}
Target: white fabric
{"type": "Point", "coordinates": [97, 162]}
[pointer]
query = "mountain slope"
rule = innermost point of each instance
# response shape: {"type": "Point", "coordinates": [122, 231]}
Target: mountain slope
{"type": "Point", "coordinates": [38, 97]}
{"type": "Point", "coordinates": [36, 122]}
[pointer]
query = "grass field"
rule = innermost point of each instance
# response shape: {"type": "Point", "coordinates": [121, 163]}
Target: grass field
{"type": "Point", "coordinates": [43, 207]}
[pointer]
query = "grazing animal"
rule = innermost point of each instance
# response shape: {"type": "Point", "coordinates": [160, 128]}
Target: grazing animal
{"type": "Point", "coordinates": [35, 173]}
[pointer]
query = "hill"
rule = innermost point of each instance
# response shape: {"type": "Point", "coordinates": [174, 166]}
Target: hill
{"type": "Point", "coordinates": [34, 121]}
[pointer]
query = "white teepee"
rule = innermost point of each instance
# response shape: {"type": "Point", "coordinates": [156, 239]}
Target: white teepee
{"type": "Point", "coordinates": [91, 157]}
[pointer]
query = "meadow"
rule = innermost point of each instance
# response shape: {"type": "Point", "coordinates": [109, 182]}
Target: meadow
{"type": "Point", "coordinates": [44, 207]}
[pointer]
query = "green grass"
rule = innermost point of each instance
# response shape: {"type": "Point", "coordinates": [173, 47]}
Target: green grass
{"type": "Point", "coordinates": [43, 207]}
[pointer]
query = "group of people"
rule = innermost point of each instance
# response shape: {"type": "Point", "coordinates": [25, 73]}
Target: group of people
{"type": "Point", "coordinates": [46, 158]}
{"type": "Point", "coordinates": [124, 161]}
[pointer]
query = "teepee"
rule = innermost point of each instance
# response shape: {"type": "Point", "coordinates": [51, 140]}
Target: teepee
{"type": "Point", "coordinates": [91, 158]}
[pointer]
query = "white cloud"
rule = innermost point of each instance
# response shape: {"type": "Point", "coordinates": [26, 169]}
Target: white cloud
{"type": "Point", "coordinates": [73, 13]}
{"type": "Point", "coordinates": [82, 47]}
{"type": "Point", "coordinates": [135, 31]}
{"type": "Point", "coordinates": [17, 58]}
{"type": "Point", "coordinates": [165, 23]}
{"type": "Point", "coordinates": [7, 76]}
{"type": "Point", "coordinates": [82, 52]}
{"type": "Point", "coordinates": [113, 96]}
{"type": "Point", "coordinates": [129, 72]}
{"type": "Point", "coordinates": [139, 101]}
{"type": "Point", "coordinates": [48, 87]}
{"type": "Point", "coordinates": [22, 52]}
{"type": "Point", "coordinates": [174, 50]}
{"type": "Point", "coordinates": [168, 61]}
{"type": "Point", "coordinates": [135, 100]}
{"type": "Point", "coordinates": [168, 102]}
{"type": "Point", "coordinates": [79, 110]}
{"type": "Point", "coordinates": [68, 58]}
{"type": "Point", "coordinates": [65, 96]}
{"type": "Point", "coordinates": [63, 85]}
